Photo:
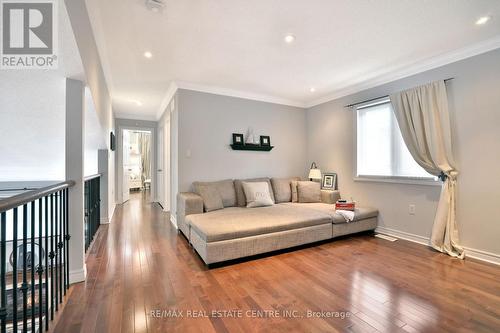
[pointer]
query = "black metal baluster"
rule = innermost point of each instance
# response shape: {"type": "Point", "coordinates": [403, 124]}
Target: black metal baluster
{"type": "Point", "coordinates": [14, 271]}
{"type": "Point", "coordinates": [24, 285]}
{"type": "Point", "coordinates": [3, 301]}
{"type": "Point", "coordinates": [60, 246]}
{"type": "Point", "coordinates": [51, 256]}
{"type": "Point", "coordinates": [54, 237]}
{"type": "Point", "coordinates": [46, 263]}
{"type": "Point", "coordinates": [66, 239]}
{"type": "Point", "coordinates": [92, 212]}
{"type": "Point", "coordinates": [40, 266]}
{"type": "Point", "coordinates": [32, 266]}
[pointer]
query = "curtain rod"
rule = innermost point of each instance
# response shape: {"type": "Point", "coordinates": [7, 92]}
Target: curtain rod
{"type": "Point", "coordinates": [386, 96]}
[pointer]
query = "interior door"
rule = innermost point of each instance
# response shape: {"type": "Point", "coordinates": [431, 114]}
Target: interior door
{"type": "Point", "coordinates": [160, 172]}
{"type": "Point", "coordinates": [126, 171]}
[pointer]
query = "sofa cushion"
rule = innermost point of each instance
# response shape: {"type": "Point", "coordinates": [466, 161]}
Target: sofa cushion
{"type": "Point", "coordinates": [309, 191]}
{"type": "Point", "coordinates": [225, 189]}
{"type": "Point", "coordinates": [282, 188]}
{"type": "Point", "coordinates": [257, 194]}
{"type": "Point", "coordinates": [236, 222]}
{"type": "Point", "coordinates": [240, 194]}
{"type": "Point", "coordinates": [360, 213]}
{"type": "Point", "coordinates": [211, 198]}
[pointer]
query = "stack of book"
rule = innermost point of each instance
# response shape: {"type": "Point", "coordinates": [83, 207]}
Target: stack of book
{"type": "Point", "coordinates": [345, 205]}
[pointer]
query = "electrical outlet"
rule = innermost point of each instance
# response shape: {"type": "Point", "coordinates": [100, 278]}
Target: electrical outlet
{"type": "Point", "coordinates": [411, 209]}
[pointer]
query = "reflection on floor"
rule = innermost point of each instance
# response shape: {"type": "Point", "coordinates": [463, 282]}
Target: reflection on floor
{"type": "Point", "coordinates": [143, 276]}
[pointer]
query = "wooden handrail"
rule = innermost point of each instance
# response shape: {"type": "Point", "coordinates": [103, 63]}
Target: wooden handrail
{"type": "Point", "coordinates": [23, 198]}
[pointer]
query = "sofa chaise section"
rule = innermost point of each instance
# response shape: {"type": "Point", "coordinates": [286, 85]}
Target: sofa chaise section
{"type": "Point", "coordinates": [239, 232]}
{"type": "Point", "coordinates": [236, 231]}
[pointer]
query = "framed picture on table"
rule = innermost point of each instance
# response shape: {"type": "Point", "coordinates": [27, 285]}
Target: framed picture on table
{"type": "Point", "coordinates": [329, 181]}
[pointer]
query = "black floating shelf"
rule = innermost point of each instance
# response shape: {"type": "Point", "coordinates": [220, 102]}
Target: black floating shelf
{"type": "Point", "coordinates": [252, 147]}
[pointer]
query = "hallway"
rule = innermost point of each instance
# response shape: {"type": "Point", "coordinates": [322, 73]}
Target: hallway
{"type": "Point", "coordinates": [142, 276]}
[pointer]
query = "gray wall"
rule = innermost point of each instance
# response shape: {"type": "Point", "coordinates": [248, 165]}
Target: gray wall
{"type": "Point", "coordinates": [206, 124]}
{"type": "Point", "coordinates": [474, 97]}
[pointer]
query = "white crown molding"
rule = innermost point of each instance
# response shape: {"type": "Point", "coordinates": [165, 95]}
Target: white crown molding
{"type": "Point", "coordinates": [172, 89]}
{"type": "Point", "coordinates": [489, 257]}
{"type": "Point", "coordinates": [390, 75]}
{"type": "Point", "coordinates": [416, 68]}
{"type": "Point", "coordinates": [135, 116]}
{"type": "Point", "coordinates": [237, 93]}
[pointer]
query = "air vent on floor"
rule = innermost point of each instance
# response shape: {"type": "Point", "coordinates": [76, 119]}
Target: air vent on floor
{"type": "Point", "coordinates": [389, 238]}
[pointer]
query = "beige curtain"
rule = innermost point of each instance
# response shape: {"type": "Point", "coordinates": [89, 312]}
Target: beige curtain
{"type": "Point", "coordinates": [424, 121]}
{"type": "Point", "coordinates": [145, 150]}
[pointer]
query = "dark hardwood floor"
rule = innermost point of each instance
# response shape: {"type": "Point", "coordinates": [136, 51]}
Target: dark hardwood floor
{"type": "Point", "coordinates": [139, 268]}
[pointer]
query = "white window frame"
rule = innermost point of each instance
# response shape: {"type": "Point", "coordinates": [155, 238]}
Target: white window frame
{"type": "Point", "coordinates": [429, 181]}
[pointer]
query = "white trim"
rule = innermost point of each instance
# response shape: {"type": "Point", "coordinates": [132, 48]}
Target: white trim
{"type": "Point", "coordinates": [104, 220]}
{"type": "Point", "coordinates": [172, 89]}
{"type": "Point", "coordinates": [238, 93]}
{"type": "Point", "coordinates": [403, 235]}
{"type": "Point", "coordinates": [481, 255]}
{"type": "Point", "coordinates": [490, 257]}
{"type": "Point", "coordinates": [78, 275]}
{"type": "Point", "coordinates": [398, 180]}
{"type": "Point", "coordinates": [404, 71]}
{"type": "Point", "coordinates": [173, 220]}
{"type": "Point", "coordinates": [112, 212]}
{"type": "Point", "coordinates": [135, 116]}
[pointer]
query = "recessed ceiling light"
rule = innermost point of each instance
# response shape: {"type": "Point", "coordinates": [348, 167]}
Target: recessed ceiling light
{"type": "Point", "coordinates": [289, 38]}
{"type": "Point", "coordinates": [148, 54]}
{"type": "Point", "coordinates": [312, 89]}
{"type": "Point", "coordinates": [483, 20]}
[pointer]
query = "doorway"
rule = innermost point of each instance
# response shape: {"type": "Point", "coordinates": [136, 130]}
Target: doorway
{"type": "Point", "coordinates": [164, 163]}
{"type": "Point", "coordinates": [137, 163]}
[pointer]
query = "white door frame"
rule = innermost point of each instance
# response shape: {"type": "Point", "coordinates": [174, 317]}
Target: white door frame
{"type": "Point", "coordinates": [161, 166]}
{"type": "Point", "coordinates": [119, 169]}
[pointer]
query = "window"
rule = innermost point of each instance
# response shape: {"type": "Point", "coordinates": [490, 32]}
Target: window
{"type": "Point", "coordinates": [381, 151]}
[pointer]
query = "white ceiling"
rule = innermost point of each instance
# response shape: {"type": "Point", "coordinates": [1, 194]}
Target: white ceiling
{"type": "Point", "coordinates": [236, 46]}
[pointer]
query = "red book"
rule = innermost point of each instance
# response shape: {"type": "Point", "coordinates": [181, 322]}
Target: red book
{"type": "Point", "coordinates": [345, 205]}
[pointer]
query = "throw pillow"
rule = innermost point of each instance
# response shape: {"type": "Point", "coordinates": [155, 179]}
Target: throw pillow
{"type": "Point", "coordinates": [240, 194]}
{"type": "Point", "coordinates": [225, 189]}
{"type": "Point", "coordinates": [282, 189]}
{"type": "Point", "coordinates": [295, 194]}
{"type": "Point", "coordinates": [309, 191]}
{"type": "Point", "coordinates": [212, 200]}
{"type": "Point", "coordinates": [257, 194]}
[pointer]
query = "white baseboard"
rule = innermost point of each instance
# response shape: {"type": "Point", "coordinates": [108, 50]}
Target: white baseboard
{"type": "Point", "coordinates": [173, 220]}
{"type": "Point", "coordinates": [78, 275]}
{"type": "Point", "coordinates": [492, 258]}
{"type": "Point", "coordinates": [403, 235]}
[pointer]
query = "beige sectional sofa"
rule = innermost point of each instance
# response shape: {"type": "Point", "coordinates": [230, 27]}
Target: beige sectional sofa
{"type": "Point", "coordinates": [236, 231]}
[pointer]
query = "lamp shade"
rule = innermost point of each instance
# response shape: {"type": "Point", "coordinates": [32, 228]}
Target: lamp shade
{"type": "Point", "coordinates": [315, 173]}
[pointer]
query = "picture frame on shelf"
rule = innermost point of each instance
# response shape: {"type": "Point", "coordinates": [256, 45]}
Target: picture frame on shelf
{"type": "Point", "coordinates": [265, 140]}
{"type": "Point", "coordinates": [329, 181]}
{"type": "Point", "coordinates": [238, 139]}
